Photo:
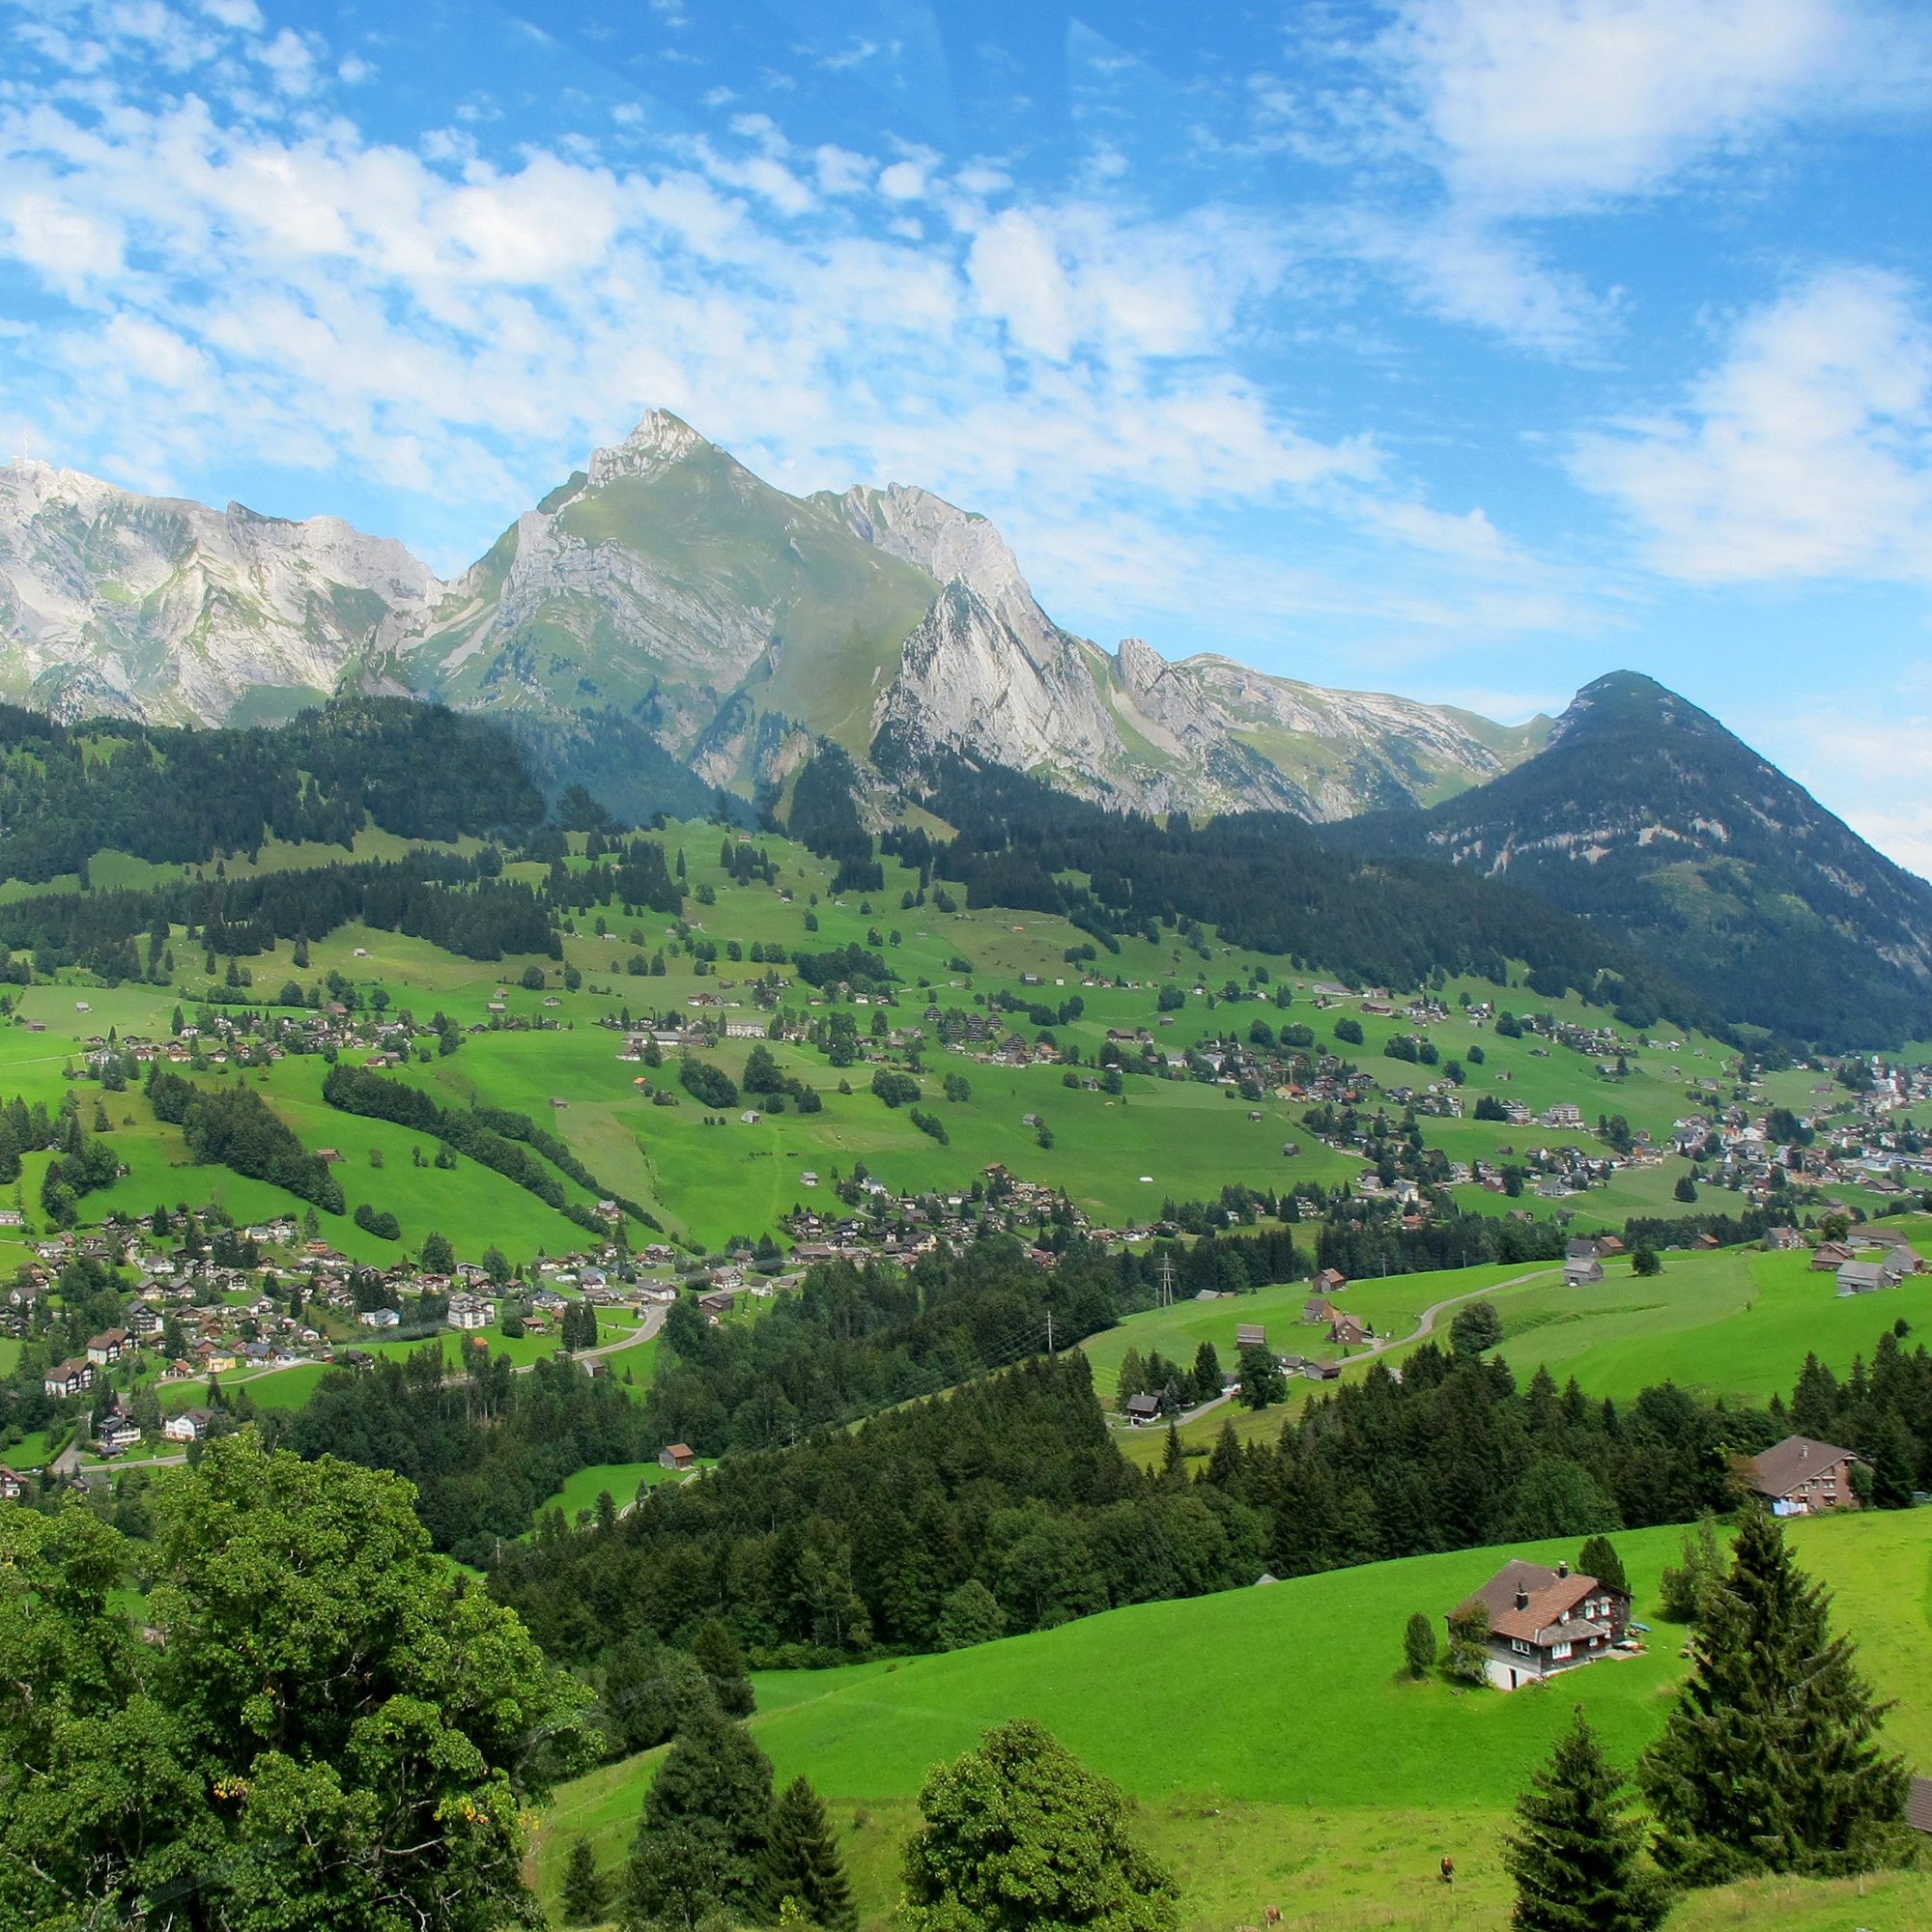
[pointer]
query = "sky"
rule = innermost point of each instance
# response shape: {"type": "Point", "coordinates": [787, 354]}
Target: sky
{"type": "Point", "coordinates": [1466, 349]}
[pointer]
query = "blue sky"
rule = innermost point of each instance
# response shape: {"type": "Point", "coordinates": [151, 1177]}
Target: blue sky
{"type": "Point", "coordinates": [1463, 348]}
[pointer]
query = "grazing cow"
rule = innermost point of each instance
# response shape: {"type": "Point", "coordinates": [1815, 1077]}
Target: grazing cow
{"type": "Point", "coordinates": [1448, 1870]}
{"type": "Point", "coordinates": [1272, 1915]}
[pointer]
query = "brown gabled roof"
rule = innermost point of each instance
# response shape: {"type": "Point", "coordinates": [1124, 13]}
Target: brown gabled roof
{"type": "Point", "coordinates": [1549, 1596]}
{"type": "Point", "coordinates": [1786, 1465]}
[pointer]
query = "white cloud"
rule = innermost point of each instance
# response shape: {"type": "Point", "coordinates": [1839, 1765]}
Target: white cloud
{"type": "Point", "coordinates": [1854, 762]}
{"type": "Point", "coordinates": [426, 315]}
{"type": "Point", "coordinates": [1544, 104]}
{"type": "Point", "coordinates": [1806, 453]}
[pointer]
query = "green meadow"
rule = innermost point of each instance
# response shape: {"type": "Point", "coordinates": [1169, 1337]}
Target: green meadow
{"type": "Point", "coordinates": [1118, 1157]}
{"type": "Point", "coordinates": [1276, 1752]}
{"type": "Point", "coordinates": [1734, 1323]}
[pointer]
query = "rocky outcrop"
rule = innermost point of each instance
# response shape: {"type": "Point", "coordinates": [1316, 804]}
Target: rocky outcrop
{"type": "Point", "coordinates": [668, 586]}
{"type": "Point", "coordinates": [161, 608]}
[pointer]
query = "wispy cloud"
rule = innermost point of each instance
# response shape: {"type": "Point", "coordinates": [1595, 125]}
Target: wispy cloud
{"type": "Point", "coordinates": [1807, 453]}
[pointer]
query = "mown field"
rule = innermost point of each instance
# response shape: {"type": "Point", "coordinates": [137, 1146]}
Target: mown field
{"type": "Point", "coordinates": [1736, 1324]}
{"type": "Point", "coordinates": [1278, 1755]}
{"type": "Point", "coordinates": [1118, 1157]}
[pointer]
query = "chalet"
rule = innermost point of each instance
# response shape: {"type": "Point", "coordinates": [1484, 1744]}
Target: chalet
{"type": "Point", "coordinates": [1829, 1256]}
{"type": "Point", "coordinates": [186, 1425]}
{"type": "Point", "coordinates": [69, 1378]}
{"type": "Point", "coordinates": [1802, 1477]}
{"type": "Point", "coordinates": [1347, 1330]}
{"type": "Point", "coordinates": [718, 1302]}
{"type": "Point", "coordinates": [118, 1434]}
{"type": "Point", "coordinates": [1143, 1408]}
{"type": "Point", "coordinates": [1543, 1622]}
{"type": "Point", "coordinates": [1783, 1240]}
{"type": "Point", "coordinates": [1250, 1335]}
{"type": "Point", "coordinates": [1580, 1270]}
{"type": "Point", "coordinates": [12, 1485]}
{"type": "Point", "coordinates": [1331, 1281]}
{"type": "Point", "coordinates": [380, 1317]}
{"type": "Point", "coordinates": [676, 1456]}
{"type": "Point", "coordinates": [109, 1347]}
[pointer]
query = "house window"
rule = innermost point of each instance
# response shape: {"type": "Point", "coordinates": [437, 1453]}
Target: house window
{"type": "Point", "coordinates": [1561, 1650]}
{"type": "Point", "coordinates": [1518, 1645]}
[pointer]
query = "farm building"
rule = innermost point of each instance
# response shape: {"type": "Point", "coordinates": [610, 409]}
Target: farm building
{"type": "Point", "coordinates": [676, 1456]}
{"type": "Point", "coordinates": [1581, 1271]}
{"type": "Point", "coordinates": [1802, 1477]}
{"type": "Point", "coordinates": [1250, 1335]}
{"type": "Point", "coordinates": [1543, 1622]}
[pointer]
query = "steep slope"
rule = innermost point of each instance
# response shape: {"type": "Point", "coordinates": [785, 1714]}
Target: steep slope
{"type": "Point", "coordinates": [163, 609]}
{"type": "Point", "coordinates": [669, 585]}
{"type": "Point", "coordinates": [667, 613]}
{"type": "Point", "coordinates": [1648, 818]}
{"type": "Point", "coordinates": [989, 673]}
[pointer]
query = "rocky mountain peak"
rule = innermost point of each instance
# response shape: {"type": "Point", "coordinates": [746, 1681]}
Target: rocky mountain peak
{"type": "Point", "coordinates": [659, 441]}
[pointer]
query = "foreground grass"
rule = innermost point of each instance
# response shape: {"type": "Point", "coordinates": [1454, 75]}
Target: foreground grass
{"type": "Point", "coordinates": [1276, 1754]}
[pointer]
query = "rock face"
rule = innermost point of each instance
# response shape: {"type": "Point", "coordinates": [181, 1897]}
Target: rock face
{"type": "Point", "coordinates": [666, 590]}
{"type": "Point", "coordinates": [159, 608]}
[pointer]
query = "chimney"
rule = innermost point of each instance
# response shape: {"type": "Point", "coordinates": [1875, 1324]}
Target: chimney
{"type": "Point", "coordinates": [1562, 1569]}
{"type": "Point", "coordinates": [1523, 1600]}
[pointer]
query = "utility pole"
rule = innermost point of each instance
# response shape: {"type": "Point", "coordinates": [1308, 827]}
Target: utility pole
{"type": "Point", "coordinates": [1165, 1295]}
{"type": "Point", "coordinates": [1049, 1331]}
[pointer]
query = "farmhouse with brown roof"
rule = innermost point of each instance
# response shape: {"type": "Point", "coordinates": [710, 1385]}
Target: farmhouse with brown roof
{"type": "Point", "coordinates": [1800, 1476]}
{"type": "Point", "coordinates": [1543, 1622]}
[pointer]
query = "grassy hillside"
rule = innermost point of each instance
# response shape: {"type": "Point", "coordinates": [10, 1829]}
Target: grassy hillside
{"type": "Point", "coordinates": [1277, 1754]}
{"type": "Point", "coordinates": [1187, 1139]}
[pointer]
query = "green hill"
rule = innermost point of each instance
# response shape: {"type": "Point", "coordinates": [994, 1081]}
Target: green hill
{"type": "Point", "coordinates": [1277, 1754]}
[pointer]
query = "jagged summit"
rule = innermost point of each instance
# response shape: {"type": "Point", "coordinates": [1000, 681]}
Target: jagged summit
{"type": "Point", "coordinates": [722, 622]}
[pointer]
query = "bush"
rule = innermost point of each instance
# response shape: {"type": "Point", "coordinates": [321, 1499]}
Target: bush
{"type": "Point", "coordinates": [1348, 1031]}
{"type": "Point", "coordinates": [708, 1085]}
{"type": "Point", "coordinates": [895, 1090]}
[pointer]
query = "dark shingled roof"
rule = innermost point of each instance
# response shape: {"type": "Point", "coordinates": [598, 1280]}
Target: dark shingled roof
{"type": "Point", "coordinates": [1786, 1465]}
{"type": "Point", "coordinates": [1919, 1805]}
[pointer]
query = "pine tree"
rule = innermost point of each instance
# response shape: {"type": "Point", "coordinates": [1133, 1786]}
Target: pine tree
{"type": "Point", "coordinates": [801, 1861]}
{"type": "Point", "coordinates": [1599, 1558]}
{"type": "Point", "coordinates": [1573, 1852]}
{"type": "Point", "coordinates": [587, 1892]}
{"type": "Point", "coordinates": [1770, 1760]}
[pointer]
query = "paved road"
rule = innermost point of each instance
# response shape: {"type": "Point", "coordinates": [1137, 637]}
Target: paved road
{"type": "Point", "coordinates": [1424, 1326]}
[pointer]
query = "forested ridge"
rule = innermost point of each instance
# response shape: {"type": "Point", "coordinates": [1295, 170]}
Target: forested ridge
{"type": "Point", "coordinates": [1704, 859]}
{"type": "Point", "coordinates": [187, 796]}
{"type": "Point", "coordinates": [1006, 1506]}
{"type": "Point", "coordinates": [1269, 881]}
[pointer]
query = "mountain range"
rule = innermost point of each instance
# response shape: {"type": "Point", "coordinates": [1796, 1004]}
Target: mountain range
{"type": "Point", "coordinates": [715, 623]}
{"type": "Point", "coordinates": [665, 624]}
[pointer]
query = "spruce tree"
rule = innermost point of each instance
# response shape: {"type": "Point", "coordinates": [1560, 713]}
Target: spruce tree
{"type": "Point", "coordinates": [1770, 1760]}
{"type": "Point", "coordinates": [587, 1892]}
{"type": "Point", "coordinates": [1418, 1644]}
{"type": "Point", "coordinates": [1597, 1558]}
{"type": "Point", "coordinates": [801, 1862]}
{"type": "Point", "coordinates": [1573, 1852]}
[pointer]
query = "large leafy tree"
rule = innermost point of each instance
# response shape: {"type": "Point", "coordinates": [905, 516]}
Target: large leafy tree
{"type": "Point", "coordinates": [1575, 1851]}
{"type": "Point", "coordinates": [325, 1727]}
{"type": "Point", "coordinates": [1020, 1835]}
{"type": "Point", "coordinates": [1771, 1760]}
